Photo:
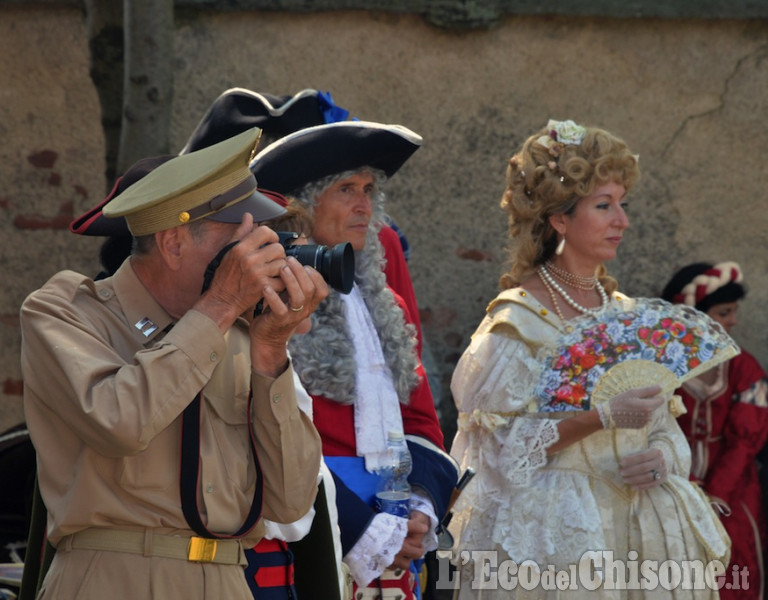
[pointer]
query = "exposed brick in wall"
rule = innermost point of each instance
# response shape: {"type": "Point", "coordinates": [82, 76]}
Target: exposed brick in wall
{"type": "Point", "coordinates": [13, 387]}
{"type": "Point", "coordinates": [45, 160]}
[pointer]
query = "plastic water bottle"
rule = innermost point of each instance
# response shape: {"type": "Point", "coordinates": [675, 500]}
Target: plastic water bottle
{"type": "Point", "coordinates": [393, 494]}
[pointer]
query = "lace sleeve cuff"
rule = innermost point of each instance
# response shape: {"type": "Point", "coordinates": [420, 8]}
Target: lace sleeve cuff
{"type": "Point", "coordinates": [525, 448]}
{"type": "Point", "coordinates": [376, 548]}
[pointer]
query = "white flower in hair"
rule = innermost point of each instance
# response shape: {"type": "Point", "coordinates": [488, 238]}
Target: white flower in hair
{"type": "Point", "coordinates": [567, 133]}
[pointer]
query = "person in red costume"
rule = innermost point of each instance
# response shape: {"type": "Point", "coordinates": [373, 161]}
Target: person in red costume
{"type": "Point", "coordinates": [346, 146]}
{"type": "Point", "coordinates": [727, 421]}
{"type": "Point", "coordinates": [360, 362]}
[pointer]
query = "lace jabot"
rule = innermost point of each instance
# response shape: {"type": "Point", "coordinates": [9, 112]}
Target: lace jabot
{"type": "Point", "coordinates": [377, 411]}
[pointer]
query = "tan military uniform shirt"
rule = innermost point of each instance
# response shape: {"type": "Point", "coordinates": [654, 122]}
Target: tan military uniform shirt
{"type": "Point", "coordinates": [107, 375]}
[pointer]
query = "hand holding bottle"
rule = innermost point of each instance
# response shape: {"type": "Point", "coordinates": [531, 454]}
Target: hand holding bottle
{"type": "Point", "coordinates": [393, 494]}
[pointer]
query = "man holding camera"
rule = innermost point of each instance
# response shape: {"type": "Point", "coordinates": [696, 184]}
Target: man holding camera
{"type": "Point", "coordinates": [143, 388]}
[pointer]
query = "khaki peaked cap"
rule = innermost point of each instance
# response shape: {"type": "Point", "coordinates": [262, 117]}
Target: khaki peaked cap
{"type": "Point", "coordinates": [214, 183]}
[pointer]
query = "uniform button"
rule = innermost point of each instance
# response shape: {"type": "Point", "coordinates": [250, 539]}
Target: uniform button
{"type": "Point", "coordinates": [544, 312]}
{"type": "Point", "coordinates": [276, 398]}
{"type": "Point", "coordinates": [214, 356]}
{"type": "Point", "coordinates": [209, 488]}
{"type": "Point", "coordinates": [105, 293]}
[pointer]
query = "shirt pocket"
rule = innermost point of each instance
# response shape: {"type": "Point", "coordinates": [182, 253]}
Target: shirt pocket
{"type": "Point", "coordinates": [156, 467]}
{"type": "Point", "coordinates": [226, 455]}
{"type": "Point", "coordinates": [225, 438]}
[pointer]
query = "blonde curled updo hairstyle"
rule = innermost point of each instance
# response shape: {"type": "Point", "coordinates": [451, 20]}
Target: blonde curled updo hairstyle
{"type": "Point", "coordinates": [548, 178]}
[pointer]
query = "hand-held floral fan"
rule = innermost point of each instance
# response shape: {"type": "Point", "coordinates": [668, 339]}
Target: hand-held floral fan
{"type": "Point", "coordinates": [640, 343]}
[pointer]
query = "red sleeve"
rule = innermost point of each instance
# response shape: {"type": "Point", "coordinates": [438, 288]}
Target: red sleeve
{"type": "Point", "coordinates": [420, 416]}
{"type": "Point", "coordinates": [745, 371]}
{"type": "Point", "coordinates": [746, 428]}
{"type": "Point", "coordinates": [398, 276]}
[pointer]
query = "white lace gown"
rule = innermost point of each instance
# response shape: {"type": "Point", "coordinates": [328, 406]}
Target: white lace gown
{"type": "Point", "coordinates": [524, 505]}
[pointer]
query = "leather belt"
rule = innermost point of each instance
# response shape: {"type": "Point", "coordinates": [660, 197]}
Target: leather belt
{"type": "Point", "coordinates": [149, 543]}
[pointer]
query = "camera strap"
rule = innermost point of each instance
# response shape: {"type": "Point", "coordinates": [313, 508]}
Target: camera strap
{"type": "Point", "coordinates": [210, 270]}
{"type": "Point", "coordinates": [190, 474]}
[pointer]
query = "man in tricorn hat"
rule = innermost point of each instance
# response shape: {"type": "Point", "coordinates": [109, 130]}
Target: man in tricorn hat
{"type": "Point", "coordinates": [231, 112]}
{"type": "Point", "coordinates": [238, 109]}
{"type": "Point", "coordinates": [157, 383]}
{"type": "Point", "coordinates": [359, 361]}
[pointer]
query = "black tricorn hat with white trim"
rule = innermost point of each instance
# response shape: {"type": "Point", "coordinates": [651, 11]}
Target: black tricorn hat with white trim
{"type": "Point", "coordinates": [238, 109]}
{"type": "Point", "coordinates": [316, 152]}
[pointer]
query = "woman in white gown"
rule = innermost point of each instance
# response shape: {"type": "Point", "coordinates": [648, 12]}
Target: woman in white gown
{"type": "Point", "coordinates": [594, 499]}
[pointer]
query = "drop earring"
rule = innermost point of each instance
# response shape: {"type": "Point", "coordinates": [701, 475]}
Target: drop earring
{"type": "Point", "coordinates": [560, 246]}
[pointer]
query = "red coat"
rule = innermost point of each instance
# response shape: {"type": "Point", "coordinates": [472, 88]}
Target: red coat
{"type": "Point", "coordinates": [433, 469]}
{"type": "Point", "coordinates": [398, 276]}
{"type": "Point", "coordinates": [336, 422]}
{"type": "Point", "coordinates": [336, 425]}
{"type": "Point", "coordinates": [727, 425]}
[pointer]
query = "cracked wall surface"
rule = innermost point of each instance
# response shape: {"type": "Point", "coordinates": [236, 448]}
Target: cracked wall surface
{"type": "Point", "coordinates": [689, 97]}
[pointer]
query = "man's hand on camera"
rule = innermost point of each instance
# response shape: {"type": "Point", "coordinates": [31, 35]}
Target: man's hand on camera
{"type": "Point", "coordinates": [285, 314]}
{"type": "Point", "coordinates": [255, 269]}
{"type": "Point", "coordinates": [250, 266]}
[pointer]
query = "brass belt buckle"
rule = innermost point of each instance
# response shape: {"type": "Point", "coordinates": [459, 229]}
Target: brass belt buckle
{"type": "Point", "coordinates": [201, 549]}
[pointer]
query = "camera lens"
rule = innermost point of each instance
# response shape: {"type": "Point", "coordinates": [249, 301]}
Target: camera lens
{"type": "Point", "coordinates": [336, 265]}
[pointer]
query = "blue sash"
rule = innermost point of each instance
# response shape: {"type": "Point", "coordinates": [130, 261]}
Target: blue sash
{"type": "Point", "coordinates": [351, 470]}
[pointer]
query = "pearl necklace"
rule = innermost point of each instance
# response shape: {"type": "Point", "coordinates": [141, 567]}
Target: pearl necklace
{"type": "Point", "coordinates": [583, 309]}
{"type": "Point", "coordinates": [577, 281]}
{"type": "Point", "coordinates": [552, 296]}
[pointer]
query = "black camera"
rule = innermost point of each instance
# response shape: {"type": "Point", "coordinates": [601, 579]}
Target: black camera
{"type": "Point", "coordinates": [336, 265]}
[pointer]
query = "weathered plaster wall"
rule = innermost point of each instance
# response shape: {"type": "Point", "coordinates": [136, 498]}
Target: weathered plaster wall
{"type": "Point", "coordinates": [689, 97]}
{"type": "Point", "coordinates": [51, 165]}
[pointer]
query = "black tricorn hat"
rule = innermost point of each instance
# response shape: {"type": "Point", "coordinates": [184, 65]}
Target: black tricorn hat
{"type": "Point", "coordinates": [238, 109]}
{"type": "Point", "coordinates": [93, 222]}
{"type": "Point", "coordinates": [316, 152]}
